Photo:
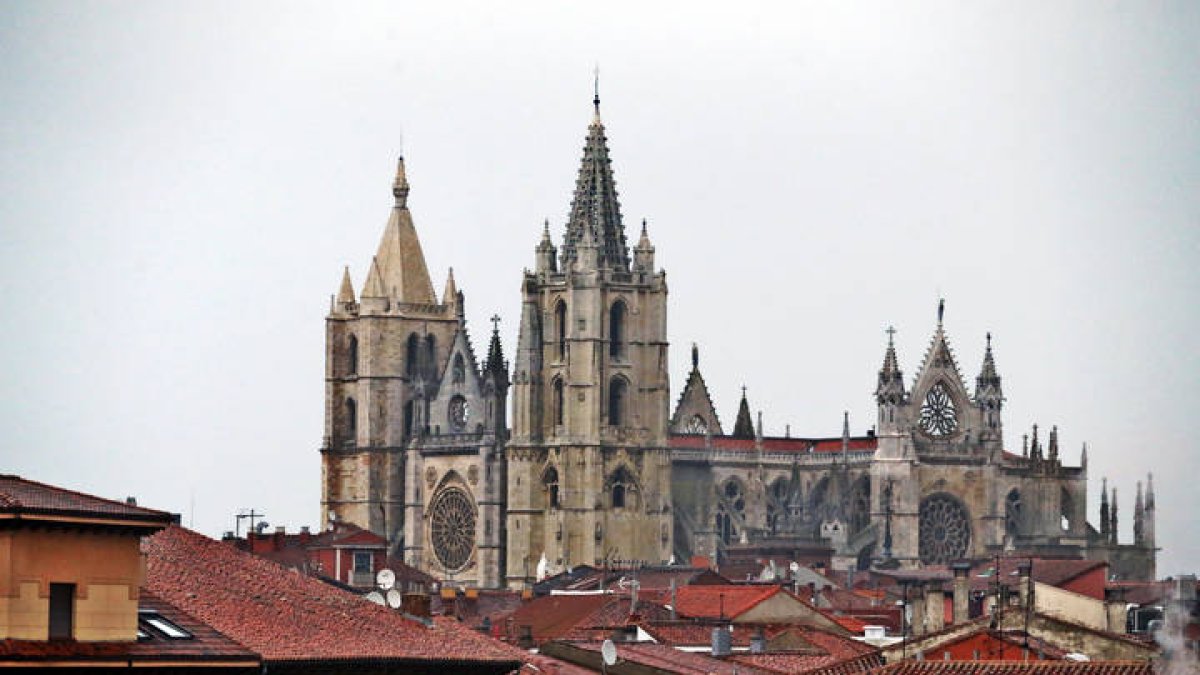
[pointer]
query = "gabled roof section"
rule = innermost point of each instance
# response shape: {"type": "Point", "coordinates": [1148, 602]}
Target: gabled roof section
{"type": "Point", "coordinates": [939, 362]}
{"type": "Point", "coordinates": [595, 212]}
{"type": "Point", "coordinates": [26, 500]}
{"type": "Point", "coordinates": [402, 269]}
{"type": "Point", "coordinates": [695, 401]}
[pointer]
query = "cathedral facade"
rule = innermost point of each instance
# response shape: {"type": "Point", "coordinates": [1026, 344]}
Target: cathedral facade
{"type": "Point", "coordinates": [596, 469]}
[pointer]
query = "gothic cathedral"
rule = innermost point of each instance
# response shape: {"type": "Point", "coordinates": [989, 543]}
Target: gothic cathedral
{"type": "Point", "coordinates": [596, 470]}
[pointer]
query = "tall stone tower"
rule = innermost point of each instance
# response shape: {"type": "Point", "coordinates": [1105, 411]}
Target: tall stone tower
{"type": "Point", "coordinates": [384, 353]}
{"type": "Point", "coordinates": [589, 472]}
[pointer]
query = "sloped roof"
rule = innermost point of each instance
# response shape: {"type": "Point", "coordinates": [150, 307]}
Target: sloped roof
{"type": "Point", "coordinates": [23, 498]}
{"type": "Point", "coordinates": [555, 616]}
{"type": "Point", "coordinates": [1017, 668]}
{"type": "Point", "coordinates": [653, 658]}
{"type": "Point", "coordinates": [287, 616]}
{"type": "Point", "coordinates": [713, 602]}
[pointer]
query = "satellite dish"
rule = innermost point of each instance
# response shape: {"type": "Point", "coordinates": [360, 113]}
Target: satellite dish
{"type": "Point", "coordinates": [608, 652]}
{"type": "Point", "coordinates": [376, 597]}
{"type": "Point", "coordinates": [394, 599]}
{"type": "Point", "coordinates": [386, 579]}
{"type": "Point", "coordinates": [794, 567]}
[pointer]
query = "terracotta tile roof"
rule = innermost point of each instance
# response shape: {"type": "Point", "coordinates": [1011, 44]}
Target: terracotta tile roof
{"type": "Point", "coordinates": [714, 602]}
{"type": "Point", "coordinates": [287, 616]}
{"type": "Point", "coordinates": [1018, 668]}
{"type": "Point", "coordinates": [1050, 571]}
{"type": "Point", "coordinates": [782, 445]}
{"type": "Point", "coordinates": [795, 662]}
{"type": "Point", "coordinates": [20, 496]}
{"type": "Point", "coordinates": [657, 658]}
{"type": "Point", "coordinates": [552, 617]}
{"type": "Point", "coordinates": [204, 644]}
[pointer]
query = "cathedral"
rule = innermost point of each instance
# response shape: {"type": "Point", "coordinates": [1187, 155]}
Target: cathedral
{"type": "Point", "coordinates": [595, 467]}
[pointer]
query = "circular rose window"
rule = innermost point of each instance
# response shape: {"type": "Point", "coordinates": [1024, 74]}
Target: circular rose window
{"type": "Point", "coordinates": [945, 530]}
{"type": "Point", "coordinates": [452, 522]}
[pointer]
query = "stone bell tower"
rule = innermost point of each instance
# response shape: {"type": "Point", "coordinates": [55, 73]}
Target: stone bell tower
{"type": "Point", "coordinates": [588, 465]}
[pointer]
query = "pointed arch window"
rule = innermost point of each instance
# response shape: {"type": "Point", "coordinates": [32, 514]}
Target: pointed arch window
{"type": "Point", "coordinates": [430, 357]}
{"type": "Point", "coordinates": [617, 395]}
{"type": "Point", "coordinates": [1012, 513]}
{"type": "Point", "coordinates": [550, 483]}
{"type": "Point", "coordinates": [622, 489]}
{"type": "Point", "coordinates": [860, 505]}
{"type": "Point", "coordinates": [558, 401]}
{"type": "Point", "coordinates": [560, 329]}
{"type": "Point", "coordinates": [412, 353]}
{"type": "Point", "coordinates": [731, 507]}
{"type": "Point", "coordinates": [459, 373]}
{"type": "Point", "coordinates": [351, 422]}
{"type": "Point", "coordinates": [352, 355]}
{"type": "Point", "coordinates": [1067, 508]}
{"type": "Point", "coordinates": [616, 330]}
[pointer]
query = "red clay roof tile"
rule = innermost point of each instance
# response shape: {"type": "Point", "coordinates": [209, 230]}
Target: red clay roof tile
{"type": "Point", "coordinates": [287, 616]}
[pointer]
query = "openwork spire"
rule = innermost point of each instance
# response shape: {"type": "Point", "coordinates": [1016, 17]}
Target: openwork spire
{"type": "Point", "coordinates": [495, 358]}
{"type": "Point", "coordinates": [595, 211]}
{"type": "Point", "coordinates": [891, 380]}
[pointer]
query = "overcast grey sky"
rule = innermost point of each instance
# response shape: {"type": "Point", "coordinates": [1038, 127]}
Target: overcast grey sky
{"type": "Point", "coordinates": [181, 184]}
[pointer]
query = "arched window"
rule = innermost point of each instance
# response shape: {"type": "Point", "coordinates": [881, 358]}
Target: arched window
{"type": "Point", "coordinates": [622, 489]}
{"type": "Point", "coordinates": [412, 355]}
{"type": "Point", "coordinates": [777, 497]}
{"type": "Point", "coordinates": [352, 355]}
{"type": "Point", "coordinates": [550, 482]}
{"type": "Point", "coordinates": [1012, 513]}
{"type": "Point", "coordinates": [1067, 506]}
{"type": "Point", "coordinates": [731, 507]}
{"type": "Point", "coordinates": [616, 402]}
{"type": "Point", "coordinates": [558, 401]}
{"type": "Point", "coordinates": [351, 422]}
{"type": "Point", "coordinates": [430, 357]}
{"type": "Point", "coordinates": [560, 328]}
{"type": "Point", "coordinates": [459, 374]}
{"type": "Point", "coordinates": [616, 330]}
{"type": "Point", "coordinates": [860, 505]}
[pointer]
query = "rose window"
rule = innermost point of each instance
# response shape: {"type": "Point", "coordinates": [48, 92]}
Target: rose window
{"type": "Point", "coordinates": [696, 425]}
{"type": "Point", "coordinates": [945, 530]}
{"type": "Point", "coordinates": [452, 520]}
{"type": "Point", "coordinates": [938, 417]}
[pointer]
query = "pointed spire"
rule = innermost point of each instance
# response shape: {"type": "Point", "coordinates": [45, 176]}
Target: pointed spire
{"type": "Point", "coordinates": [1035, 448]}
{"type": "Point", "coordinates": [1104, 515]}
{"type": "Point", "coordinates": [345, 294]}
{"type": "Point", "coordinates": [987, 385]}
{"type": "Point", "coordinates": [595, 211]}
{"type": "Point", "coordinates": [1083, 457]}
{"type": "Point", "coordinates": [891, 381]}
{"type": "Point", "coordinates": [400, 185]}
{"type": "Point", "coordinates": [373, 288]}
{"type": "Point", "coordinates": [1149, 492]}
{"type": "Point", "coordinates": [643, 253]}
{"type": "Point", "coordinates": [845, 433]}
{"type": "Point", "coordinates": [450, 294]}
{"type": "Point", "coordinates": [1025, 445]}
{"type": "Point", "coordinates": [1139, 515]}
{"type": "Point", "coordinates": [1112, 514]}
{"type": "Point", "coordinates": [1053, 452]}
{"type": "Point", "coordinates": [758, 427]}
{"type": "Point", "coordinates": [401, 262]}
{"type": "Point", "coordinates": [744, 426]}
{"type": "Point", "coordinates": [495, 358]}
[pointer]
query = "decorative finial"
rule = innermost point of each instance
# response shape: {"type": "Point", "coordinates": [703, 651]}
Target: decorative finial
{"type": "Point", "coordinates": [400, 184]}
{"type": "Point", "coordinates": [596, 88]}
{"type": "Point", "coordinates": [941, 309]}
{"type": "Point", "coordinates": [695, 357]}
{"type": "Point", "coordinates": [643, 227]}
{"type": "Point", "coordinates": [743, 391]}
{"type": "Point", "coordinates": [989, 339]}
{"type": "Point", "coordinates": [495, 323]}
{"type": "Point", "coordinates": [891, 332]}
